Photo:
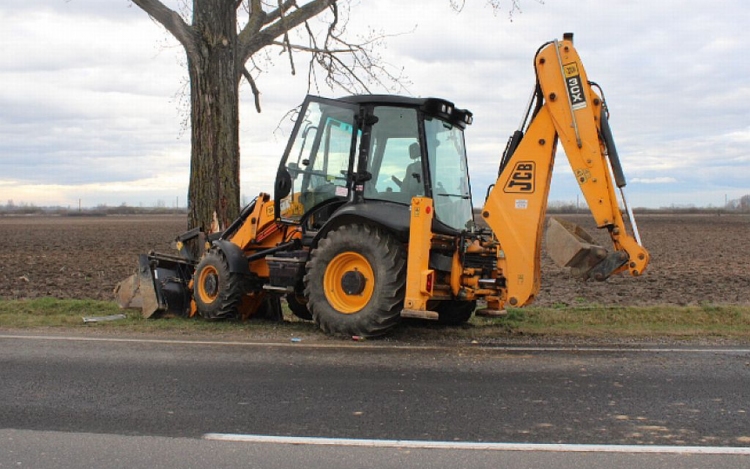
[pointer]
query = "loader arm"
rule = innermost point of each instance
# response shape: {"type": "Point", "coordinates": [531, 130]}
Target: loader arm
{"type": "Point", "coordinates": [568, 110]}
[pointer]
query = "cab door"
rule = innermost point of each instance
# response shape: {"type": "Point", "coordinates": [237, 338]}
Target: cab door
{"type": "Point", "coordinates": [318, 158]}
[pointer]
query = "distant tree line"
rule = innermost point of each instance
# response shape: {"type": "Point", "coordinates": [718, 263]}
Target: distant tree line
{"type": "Point", "coordinates": [23, 208]}
{"type": "Point", "coordinates": [741, 205]}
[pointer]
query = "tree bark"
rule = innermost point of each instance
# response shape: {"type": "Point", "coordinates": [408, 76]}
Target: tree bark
{"type": "Point", "coordinates": [214, 190]}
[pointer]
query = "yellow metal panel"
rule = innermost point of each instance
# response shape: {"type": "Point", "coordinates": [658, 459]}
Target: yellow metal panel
{"type": "Point", "coordinates": [418, 259]}
{"type": "Point", "coordinates": [516, 207]}
{"type": "Point", "coordinates": [261, 217]}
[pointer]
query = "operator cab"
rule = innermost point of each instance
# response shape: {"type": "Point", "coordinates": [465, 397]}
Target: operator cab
{"type": "Point", "coordinates": [373, 149]}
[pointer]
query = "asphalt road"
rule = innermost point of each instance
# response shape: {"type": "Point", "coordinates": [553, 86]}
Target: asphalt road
{"type": "Point", "coordinates": [106, 398]}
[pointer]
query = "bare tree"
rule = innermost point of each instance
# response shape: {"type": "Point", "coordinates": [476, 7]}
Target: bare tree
{"type": "Point", "coordinates": [514, 6]}
{"type": "Point", "coordinates": [219, 49]}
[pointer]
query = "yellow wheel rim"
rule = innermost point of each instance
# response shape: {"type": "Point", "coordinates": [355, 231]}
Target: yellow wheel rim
{"type": "Point", "coordinates": [208, 284]}
{"type": "Point", "coordinates": [349, 282]}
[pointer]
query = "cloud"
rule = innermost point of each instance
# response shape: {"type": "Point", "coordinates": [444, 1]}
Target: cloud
{"type": "Point", "coordinates": [91, 95]}
{"type": "Point", "coordinates": [82, 102]}
{"type": "Point", "coordinates": [659, 180]}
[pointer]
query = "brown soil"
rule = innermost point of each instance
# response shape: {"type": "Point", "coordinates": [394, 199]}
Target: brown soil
{"type": "Point", "coordinates": [694, 259]}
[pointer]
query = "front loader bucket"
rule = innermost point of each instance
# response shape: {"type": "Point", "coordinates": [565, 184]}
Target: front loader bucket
{"type": "Point", "coordinates": [161, 285]}
{"type": "Point", "coordinates": [571, 246]}
{"type": "Point", "coordinates": [127, 293]}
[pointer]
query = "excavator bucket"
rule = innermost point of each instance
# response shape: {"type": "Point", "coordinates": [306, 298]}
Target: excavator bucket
{"type": "Point", "coordinates": [159, 286]}
{"type": "Point", "coordinates": [571, 246]}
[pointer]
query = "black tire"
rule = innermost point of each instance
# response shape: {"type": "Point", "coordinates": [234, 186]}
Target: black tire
{"type": "Point", "coordinates": [269, 310]}
{"type": "Point", "coordinates": [298, 309]}
{"type": "Point", "coordinates": [217, 292]}
{"type": "Point", "coordinates": [455, 312]}
{"type": "Point", "coordinates": [355, 281]}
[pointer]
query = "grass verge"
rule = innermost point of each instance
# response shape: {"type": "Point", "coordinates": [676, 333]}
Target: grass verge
{"type": "Point", "coordinates": [55, 314]}
{"type": "Point", "coordinates": [584, 321]}
{"type": "Point", "coordinates": [696, 321]}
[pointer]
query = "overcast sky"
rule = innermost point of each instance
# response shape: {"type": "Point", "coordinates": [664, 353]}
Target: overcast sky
{"type": "Point", "coordinates": [92, 95]}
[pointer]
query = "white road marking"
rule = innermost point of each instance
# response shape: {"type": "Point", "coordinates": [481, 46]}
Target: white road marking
{"type": "Point", "coordinates": [389, 346]}
{"type": "Point", "coordinates": [476, 446]}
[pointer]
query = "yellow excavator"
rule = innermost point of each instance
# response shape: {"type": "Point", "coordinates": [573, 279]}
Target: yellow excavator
{"type": "Point", "coordinates": [372, 217]}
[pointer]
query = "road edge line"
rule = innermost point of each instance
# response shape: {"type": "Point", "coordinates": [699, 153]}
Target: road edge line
{"type": "Point", "coordinates": [476, 446]}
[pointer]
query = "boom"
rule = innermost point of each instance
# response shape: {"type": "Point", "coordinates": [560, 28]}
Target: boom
{"type": "Point", "coordinates": [565, 108]}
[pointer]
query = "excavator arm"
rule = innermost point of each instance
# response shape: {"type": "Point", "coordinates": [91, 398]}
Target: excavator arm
{"type": "Point", "coordinates": [565, 108]}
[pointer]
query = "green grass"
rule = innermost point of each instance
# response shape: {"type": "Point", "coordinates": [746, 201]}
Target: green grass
{"type": "Point", "coordinates": [50, 313]}
{"type": "Point", "coordinates": [584, 321]}
{"type": "Point", "coordinates": [731, 321]}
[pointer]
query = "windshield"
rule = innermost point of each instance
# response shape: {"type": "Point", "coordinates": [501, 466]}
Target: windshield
{"type": "Point", "coordinates": [449, 173]}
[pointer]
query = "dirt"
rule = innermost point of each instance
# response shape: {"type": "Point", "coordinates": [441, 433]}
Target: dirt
{"type": "Point", "coordinates": [695, 259]}
{"type": "Point", "coordinates": [77, 257]}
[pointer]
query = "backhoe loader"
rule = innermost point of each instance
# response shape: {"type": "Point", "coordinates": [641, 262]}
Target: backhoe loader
{"type": "Point", "coordinates": [372, 220]}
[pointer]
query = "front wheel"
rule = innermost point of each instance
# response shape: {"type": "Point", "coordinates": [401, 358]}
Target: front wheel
{"type": "Point", "coordinates": [217, 292]}
{"type": "Point", "coordinates": [355, 281]}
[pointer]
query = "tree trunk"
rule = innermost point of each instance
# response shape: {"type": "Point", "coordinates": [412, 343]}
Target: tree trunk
{"type": "Point", "coordinates": [214, 190]}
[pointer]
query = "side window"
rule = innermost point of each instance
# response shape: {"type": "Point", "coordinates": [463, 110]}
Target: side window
{"type": "Point", "coordinates": [395, 161]}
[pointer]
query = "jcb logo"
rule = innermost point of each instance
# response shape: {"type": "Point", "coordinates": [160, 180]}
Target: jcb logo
{"type": "Point", "coordinates": [571, 69]}
{"type": "Point", "coordinates": [575, 86]}
{"type": "Point", "coordinates": [522, 178]}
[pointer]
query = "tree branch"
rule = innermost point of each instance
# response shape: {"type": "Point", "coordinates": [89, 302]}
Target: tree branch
{"type": "Point", "coordinates": [286, 38]}
{"type": "Point", "coordinates": [173, 22]}
{"type": "Point", "coordinates": [280, 11]}
{"type": "Point", "coordinates": [255, 22]}
{"type": "Point", "coordinates": [249, 44]}
{"type": "Point", "coordinates": [253, 86]}
{"type": "Point", "coordinates": [314, 49]}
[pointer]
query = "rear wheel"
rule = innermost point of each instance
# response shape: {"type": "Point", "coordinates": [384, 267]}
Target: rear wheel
{"type": "Point", "coordinates": [455, 312]}
{"type": "Point", "coordinates": [298, 309]}
{"type": "Point", "coordinates": [217, 291]}
{"type": "Point", "coordinates": [355, 281]}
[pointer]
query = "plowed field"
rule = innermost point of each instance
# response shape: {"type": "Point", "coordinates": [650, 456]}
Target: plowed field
{"type": "Point", "coordinates": [695, 259]}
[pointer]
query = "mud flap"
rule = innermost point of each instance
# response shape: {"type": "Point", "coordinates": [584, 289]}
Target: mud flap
{"type": "Point", "coordinates": [571, 246]}
{"type": "Point", "coordinates": [160, 285]}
